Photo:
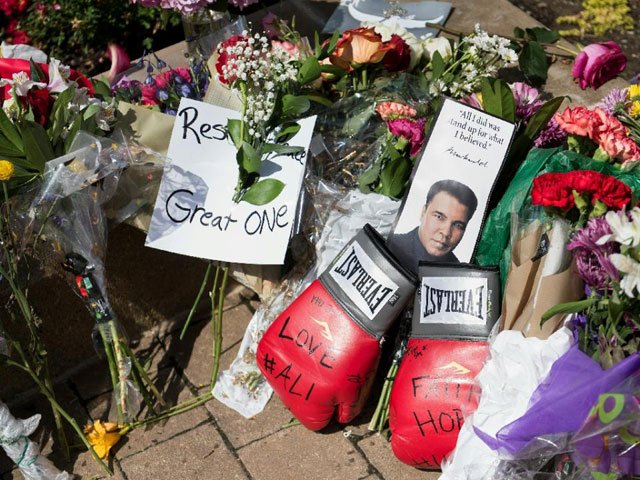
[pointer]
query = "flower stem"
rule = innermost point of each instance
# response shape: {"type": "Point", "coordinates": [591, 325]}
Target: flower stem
{"type": "Point", "coordinates": [54, 403]}
{"type": "Point", "coordinates": [113, 371]}
{"type": "Point", "coordinates": [192, 312]}
{"type": "Point", "coordinates": [217, 327]}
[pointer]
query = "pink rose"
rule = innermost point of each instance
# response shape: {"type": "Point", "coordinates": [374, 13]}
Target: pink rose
{"type": "Point", "coordinates": [598, 63]}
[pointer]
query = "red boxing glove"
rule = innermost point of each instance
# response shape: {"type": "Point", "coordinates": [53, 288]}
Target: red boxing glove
{"type": "Point", "coordinates": [322, 352]}
{"type": "Point", "coordinates": [434, 389]}
{"type": "Point", "coordinates": [432, 392]}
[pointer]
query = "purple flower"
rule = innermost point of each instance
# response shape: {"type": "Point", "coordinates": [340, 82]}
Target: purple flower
{"type": "Point", "coordinates": [411, 129]}
{"type": "Point", "coordinates": [473, 101]}
{"type": "Point", "coordinates": [616, 100]}
{"type": "Point", "coordinates": [163, 95]}
{"type": "Point", "coordinates": [551, 136]}
{"type": "Point", "coordinates": [527, 100]}
{"type": "Point", "coordinates": [592, 260]}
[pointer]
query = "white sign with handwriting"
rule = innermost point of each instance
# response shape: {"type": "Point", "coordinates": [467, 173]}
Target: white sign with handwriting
{"type": "Point", "coordinates": [195, 213]}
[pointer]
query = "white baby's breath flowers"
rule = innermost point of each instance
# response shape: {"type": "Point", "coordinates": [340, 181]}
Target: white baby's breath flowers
{"type": "Point", "coordinates": [261, 69]}
{"type": "Point", "coordinates": [477, 56]}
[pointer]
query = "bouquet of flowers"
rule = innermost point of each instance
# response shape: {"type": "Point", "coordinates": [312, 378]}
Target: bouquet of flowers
{"type": "Point", "coordinates": [163, 90]}
{"type": "Point", "coordinates": [400, 144]}
{"type": "Point", "coordinates": [44, 106]}
{"type": "Point", "coordinates": [608, 320]}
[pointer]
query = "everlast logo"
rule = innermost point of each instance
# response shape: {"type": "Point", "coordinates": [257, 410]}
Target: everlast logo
{"type": "Point", "coordinates": [369, 288]}
{"type": "Point", "coordinates": [455, 300]}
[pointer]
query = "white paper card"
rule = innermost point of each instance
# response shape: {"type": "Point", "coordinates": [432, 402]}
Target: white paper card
{"type": "Point", "coordinates": [454, 300]}
{"type": "Point", "coordinates": [195, 214]}
{"type": "Point", "coordinates": [461, 162]}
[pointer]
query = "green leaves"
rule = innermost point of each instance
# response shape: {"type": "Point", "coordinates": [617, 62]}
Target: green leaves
{"type": "Point", "coordinates": [248, 158]}
{"type": "Point", "coordinates": [295, 106]}
{"type": "Point", "coordinates": [38, 148]}
{"type": "Point", "coordinates": [498, 100]}
{"type": "Point", "coordinates": [309, 71]}
{"type": "Point", "coordinates": [394, 177]}
{"type": "Point", "coordinates": [263, 191]}
{"type": "Point", "coordinates": [234, 127]}
{"type": "Point", "coordinates": [532, 58]}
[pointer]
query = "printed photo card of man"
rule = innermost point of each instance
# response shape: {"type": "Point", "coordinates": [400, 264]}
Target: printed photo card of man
{"type": "Point", "coordinates": [443, 212]}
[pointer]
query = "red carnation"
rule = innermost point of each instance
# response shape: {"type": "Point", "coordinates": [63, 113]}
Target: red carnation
{"type": "Point", "coordinates": [224, 57]}
{"type": "Point", "coordinates": [556, 189]}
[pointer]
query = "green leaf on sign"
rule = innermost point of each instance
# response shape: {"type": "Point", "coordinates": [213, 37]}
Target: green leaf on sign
{"type": "Point", "coordinates": [294, 106]}
{"type": "Point", "coordinates": [309, 71]}
{"type": "Point", "coordinates": [288, 131]}
{"type": "Point", "coordinates": [235, 127]}
{"type": "Point", "coordinates": [497, 99]}
{"type": "Point", "coordinates": [533, 63]}
{"type": "Point", "coordinates": [248, 158]}
{"type": "Point", "coordinates": [263, 191]}
{"type": "Point", "coordinates": [394, 176]}
{"type": "Point", "coordinates": [38, 148]}
{"type": "Point", "coordinates": [281, 149]}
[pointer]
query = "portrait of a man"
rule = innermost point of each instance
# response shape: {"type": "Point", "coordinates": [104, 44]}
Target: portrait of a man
{"type": "Point", "coordinates": [448, 207]}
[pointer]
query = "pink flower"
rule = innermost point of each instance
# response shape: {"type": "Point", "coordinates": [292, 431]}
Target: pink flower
{"type": "Point", "coordinates": [604, 122]}
{"type": "Point", "coordinates": [527, 100]}
{"type": "Point", "coordinates": [392, 110]}
{"type": "Point", "coordinates": [290, 48]}
{"type": "Point", "coordinates": [412, 130]}
{"type": "Point", "coordinates": [620, 147]}
{"type": "Point", "coordinates": [576, 121]}
{"type": "Point", "coordinates": [119, 61]}
{"type": "Point", "coordinates": [598, 63]}
{"type": "Point", "coordinates": [149, 94]}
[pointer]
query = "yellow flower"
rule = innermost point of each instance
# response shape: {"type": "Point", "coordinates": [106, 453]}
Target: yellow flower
{"type": "Point", "coordinates": [633, 94]}
{"type": "Point", "coordinates": [102, 436]}
{"type": "Point", "coordinates": [6, 170]}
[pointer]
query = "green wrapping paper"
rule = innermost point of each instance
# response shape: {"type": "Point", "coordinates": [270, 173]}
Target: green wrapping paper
{"type": "Point", "coordinates": [494, 247]}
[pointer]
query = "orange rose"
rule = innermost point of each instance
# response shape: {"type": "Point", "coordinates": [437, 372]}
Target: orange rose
{"type": "Point", "coordinates": [357, 47]}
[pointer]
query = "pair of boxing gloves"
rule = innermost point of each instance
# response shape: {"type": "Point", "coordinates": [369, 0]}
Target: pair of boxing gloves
{"type": "Point", "coordinates": [322, 353]}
